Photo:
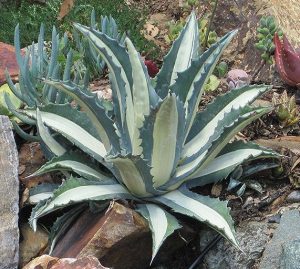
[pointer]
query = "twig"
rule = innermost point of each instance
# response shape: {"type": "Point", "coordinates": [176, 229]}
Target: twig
{"type": "Point", "coordinates": [209, 24]}
{"type": "Point", "coordinates": [258, 70]}
{"type": "Point", "coordinates": [207, 248]}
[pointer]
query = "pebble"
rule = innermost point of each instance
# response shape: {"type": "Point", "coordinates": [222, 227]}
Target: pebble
{"type": "Point", "coordinates": [274, 219]}
{"type": "Point", "coordinates": [293, 197]}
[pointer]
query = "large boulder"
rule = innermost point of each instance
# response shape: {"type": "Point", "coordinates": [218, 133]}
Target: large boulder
{"type": "Point", "coordinates": [9, 197]}
{"type": "Point", "coordinates": [282, 246]}
{"type": "Point", "coordinates": [119, 238]}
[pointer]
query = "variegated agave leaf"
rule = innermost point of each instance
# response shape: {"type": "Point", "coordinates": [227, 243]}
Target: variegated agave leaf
{"type": "Point", "coordinates": [154, 142]}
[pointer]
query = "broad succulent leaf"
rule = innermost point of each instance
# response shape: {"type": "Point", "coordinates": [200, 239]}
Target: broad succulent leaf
{"type": "Point", "coordinates": [76, 190]}
{"type": "Point", "coordinates": [68, 127]}
{"type": "Point", "coordinates": [134, 173]}
{"type": "Point", "coordinates": [62, 224]}
{"type": "Point", "coordinates": [162, 137]}
{"type": "Point", "coordinates": [117, 60]}
{"type": "Point", "coordinates": [56, 148]}
{"type": "Point", "coordinates": [41, 192]}
{"type": "Point", "coordinates": [141, 88]}
{"type": "Point", "coordinates": [189, 85]}
{"type": "Point", "coordinates": [94, 110]}
{"type": "Point", "coordinates": [206, 122]}
{"type": "Point", "coordinates": [184, 49]}
{"type": "Point", "coordinates": [211, 211]}
{"type": "Point", "coordinates": [76, 162]}
{"type": "Point", "coordinates": [232, 123]}
{"type": "Point", "coordinates": [231, 156]}
{"type": "Point", "coordinates": [161, 223]}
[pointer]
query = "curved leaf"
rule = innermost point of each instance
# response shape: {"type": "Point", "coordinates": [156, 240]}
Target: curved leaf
{"type": "Point", "coordinates": [117, 59]}
{"type": "Point", "coordinates": [232, 123]}
{"type": "Point", "coordinates": [211, 211]}
{"type": "Point", "coordinates": [162, 137]}
{"type": "Point", "coordinates": [73, 162]}
{"type": "Point", "coordinates": [162, 224]}
{"type": "Point", "coordinates": [233, 155]}
{"type": "Point", "coordinates": [50, 142]}
{"type": "Point", "coordinates": [179, 58]}
{"type": "Point", "coordinates": [205, 122]}
{"type": "Point", "coordinates": [76, 190]}
{"type": "Point", "coordinates": [72, 131]}
{"type": "Point", "coordinates": [134, 173]}
{"type": "Point", "coordinates": [95, 111]}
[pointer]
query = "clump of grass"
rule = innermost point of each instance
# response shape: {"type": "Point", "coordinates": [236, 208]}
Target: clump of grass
{"type": "Point", "coordinates": [31, 15]}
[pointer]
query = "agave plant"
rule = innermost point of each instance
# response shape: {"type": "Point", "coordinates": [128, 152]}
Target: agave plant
{"type": "Point", "coordinates": [155, 146]}
{"type": "Point", "coordinates": [287, 61]}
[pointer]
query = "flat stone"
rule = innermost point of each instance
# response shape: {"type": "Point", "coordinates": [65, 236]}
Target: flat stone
{"type": "Point", "coordinates": [31, 158]}
{"type": "Point", "coordinates": [9, 197]}
{"type": "Point", "coordinates": [287, 232]}
{"type": "Point", "coordinates": [252, 237]}
{"type": "Point", "coordinates": [293, 197]}
{"type": "Point", "coordinates": [291, 255]}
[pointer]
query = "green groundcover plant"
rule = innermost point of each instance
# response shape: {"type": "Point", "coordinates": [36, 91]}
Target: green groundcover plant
{"type": "Point", "coordinates": [154, 146]}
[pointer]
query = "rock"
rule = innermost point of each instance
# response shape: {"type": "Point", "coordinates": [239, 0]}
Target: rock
{"type": "Point", "coordinates": [9, 197]}
{"type": "Point", "coordinates": [252, 237]}
{"type": "Point", "coordinates": [8, 60]}
{"type": "Point", "coordinates": [291, 255]}
{"type": "Point", "coordinates": [120, 238]}
{"type": "Point", "coordinates": [274, 219]}
{"type": "Point", "coordinates": [237, 78]}
{"type": "Point", "coordinates": [32, 244]}
{"type": "Point", "coordinates": [88, 262]}
{"type": "Point", "coordinates": [293, 197]}
{"type": "Point", "coordinates": [287, 232]}
{"type": "Point", "coordinates": [100, 233]}
{"type": "Point", "coordinates": [42, 262]}
{"type": "Point", "coordinates": [31, 158]}
{"type": "Point", "coordinates": [48, 262]}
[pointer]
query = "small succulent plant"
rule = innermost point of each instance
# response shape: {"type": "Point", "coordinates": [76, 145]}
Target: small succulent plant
{"type": "Point", "coordinates": [154, 146]}
{"type": "Point", "coordinates": [206, 34]}
{"type": "Point", "coordinates": [212, 84]}
{"type": "Point", "coordinates": [174, 30]}
{"type": "Point", "coordinates": [56, 60]}
{"type": "Point", "coordinates": [287, 60]}
{"type": "Point", "coordinates": [265, 35]}
{"type": "Point", "coordinates": [221, 69]}
{"type": "Point", "coordinates": [286, 109]}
